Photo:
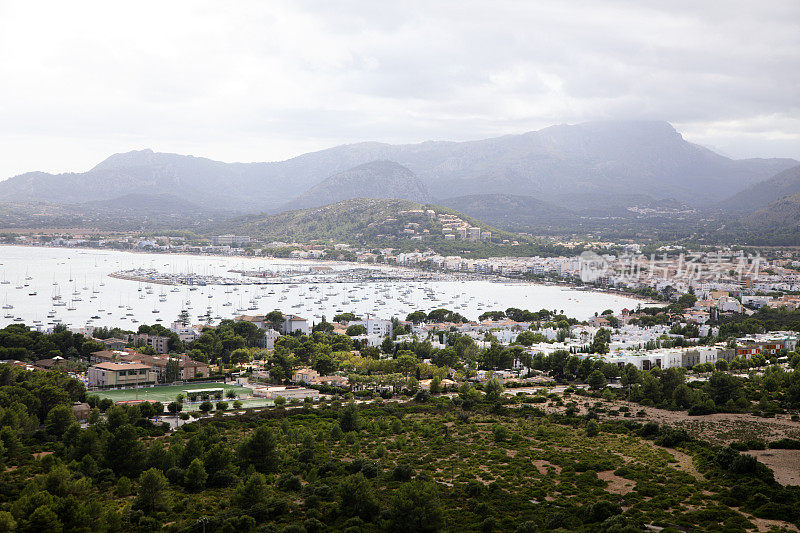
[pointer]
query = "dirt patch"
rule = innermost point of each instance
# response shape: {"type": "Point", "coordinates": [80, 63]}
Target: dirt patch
{"type": "Point", "coordinates": [616, 484]}
{"type": "Point", "coordinates": [762, 524]}
{"type": "Point", "coordinates": [765, 524]}
{"type": "Point", "coordinates": [685, 462]}
{"type": "Point", "coordinates": [718, 428]}
{"type": "Point", "coordinates": [784, 463]}
{"type": "Point", "coordinates": [542, 465]}
{"type": "Point", "coordinates": [41, 455]}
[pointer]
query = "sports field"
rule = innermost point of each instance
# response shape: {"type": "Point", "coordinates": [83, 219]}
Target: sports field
{"type": "Point", "coordinates": [167, 393]}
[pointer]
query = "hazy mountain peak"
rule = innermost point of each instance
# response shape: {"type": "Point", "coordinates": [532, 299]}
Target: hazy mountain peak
{"type": "Point", "coordinates": [374, 179]}
{"type": "Point", "coordinates": [134, 158]}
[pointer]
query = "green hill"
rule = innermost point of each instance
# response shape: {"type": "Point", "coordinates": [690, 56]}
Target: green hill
{"type": "Point", "coordinates": [373, 223]}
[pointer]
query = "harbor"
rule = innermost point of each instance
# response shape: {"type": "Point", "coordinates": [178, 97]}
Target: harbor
{"type": "Point", "coordinates": [44, 287]}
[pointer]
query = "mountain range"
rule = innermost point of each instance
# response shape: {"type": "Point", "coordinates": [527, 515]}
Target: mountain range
{"type": "Point", "coordinates": [627, 176]}
{"type": "Point", "coordinates": [648, 159]}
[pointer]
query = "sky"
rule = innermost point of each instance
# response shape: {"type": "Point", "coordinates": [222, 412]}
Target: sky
{"type": "Point", "coordinates": [267, 80]}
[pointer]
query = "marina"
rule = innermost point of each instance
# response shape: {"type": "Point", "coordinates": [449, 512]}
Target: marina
{"type": "Point", "coordinates": [43, 287]}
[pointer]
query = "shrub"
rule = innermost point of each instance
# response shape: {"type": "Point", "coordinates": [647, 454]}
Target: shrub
{"type": "Point", "coordinates": [500, 432]}
{"type": "Point", "coordinates": [402, 472]}
{"type": "Point", "coordinates": [671, 437]}
{"type": "Point", "coordinates": [785, 444]}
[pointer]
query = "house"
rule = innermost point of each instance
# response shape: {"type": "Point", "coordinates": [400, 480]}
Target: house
{"type": "Point", "coordinates": [81, 410]}
{"type": "Point", "coordinates": [293, 323]}
{"type": "Point", "coordinates": [114, 344]}
{"type": "Point", "coordinates": [49, 364]}
{"type": "Point", "coordinates": [305, 375]}
{"type": "Point", "coordinates": [333, 381]}
{"type": "Point", "coordinates": [123, 374]}
{"type": "Point", "coordinates": [105, 356]}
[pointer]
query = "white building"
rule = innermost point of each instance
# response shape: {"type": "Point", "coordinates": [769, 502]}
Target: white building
{"type": "Point", "coordinates": [270, 336]}
{"type": "Point", "coordinates": [289, 393]}
{"type": "Point", "coordinates": [293, 323]}
{"type": "Point", "coordinates": [729, 304]}
{"type": "Point", "coordinates": [236, 240]}
{"type": "Point", "coordinates": [375, 326]}
{"type": "Point", "coordinates": [185, 333]}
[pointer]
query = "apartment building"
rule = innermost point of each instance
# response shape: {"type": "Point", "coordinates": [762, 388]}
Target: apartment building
{"type": "Point", "coordinates": [158, 343]}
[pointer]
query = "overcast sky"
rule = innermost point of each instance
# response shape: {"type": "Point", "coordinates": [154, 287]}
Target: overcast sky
{"type": "Point", "coordinates": [261, 80]}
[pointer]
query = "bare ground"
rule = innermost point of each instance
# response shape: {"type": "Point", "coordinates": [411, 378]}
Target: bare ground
{"type": "Point", "coordinates": [784, 463]}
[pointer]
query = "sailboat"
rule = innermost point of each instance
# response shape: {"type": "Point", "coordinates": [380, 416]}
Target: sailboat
{"type": "Point", "coordinates": [7, 305]}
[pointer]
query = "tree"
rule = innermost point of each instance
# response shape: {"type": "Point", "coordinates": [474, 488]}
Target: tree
{"type": "Point", "coordinates": [124, 452]}
{"type": "Point", "coordinates": [387, 346]}
{"type": "Point", "coordinates": [436, 385]}
{"type": "Point", "coordinates": [195, 476]}
{"type": "Point", "coordinates": [59, 419]}
{"type": "Point", "coordinates": [592, 428]}
{"type": "Point", "coordinates": [493, 389]}
{"type": "Point", "coordinates": [206, 406]}
{"type": "Point", "coordinates": [174, 407]}
{"type": "Point", "coordinates": [259, 450]}
{"type": "Point", "coordinates": [345, 317]}
{"type": "Point", "coordinates": [356, 330]}
{"type": "Point", "coordinates": [416, 317]}
{"type": "Point", "coordinates": [526, 338]}
{"type": "Point", "coordinates": [157, 408]}
{"type": "Point", "coordinates": [723, 387]}
{"type": "Point", "coordinates": [153, 492]}
{"type": "Point", "coordinates": [251, 492]}
{"type": "Point", "coordinates": [406, 363]}
{"type": "Point", "coordinates": [349, 419]}
{"type": "Point", "coordinates": [415, 507]}
{"type": "Point", "coordinates": [240, 356]}
{"type": "Point", "coordinates": [600, 341]}
{"type": "Point", "coordinates": [596, 380]}
{"type": "Point", "coordinates": [275, 320]}
{"type": "Point", "coordinates": [44, 518]}
{"type": "Point", "coordinates": [358, 498]}
{"type": "Point", "coordinates": [687, 300]}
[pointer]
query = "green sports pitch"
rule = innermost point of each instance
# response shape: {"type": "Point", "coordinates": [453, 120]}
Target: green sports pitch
{"type": "Point", "coordinates": [167, 393]}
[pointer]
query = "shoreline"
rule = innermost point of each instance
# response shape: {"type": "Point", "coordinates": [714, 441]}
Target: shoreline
{"type": "Point", "coordinates": [464, 276]}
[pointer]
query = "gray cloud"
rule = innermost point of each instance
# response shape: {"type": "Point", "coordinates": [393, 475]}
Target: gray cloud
{"type": "Point", "coordinates": [268, 80]}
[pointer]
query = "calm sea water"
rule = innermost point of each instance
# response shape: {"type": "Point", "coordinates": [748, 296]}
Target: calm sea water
{"type": "Point", "coordinates": [116, 302]}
